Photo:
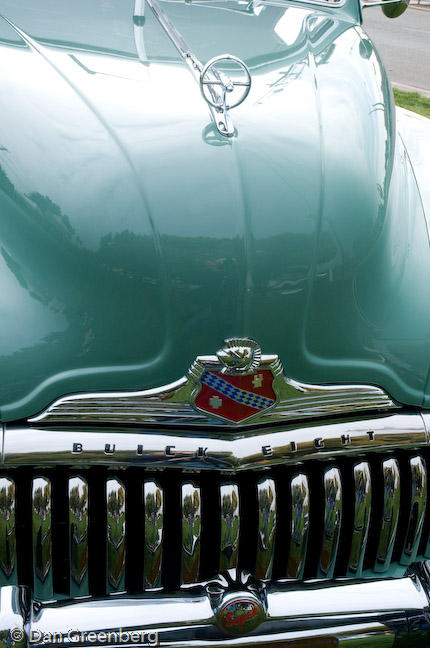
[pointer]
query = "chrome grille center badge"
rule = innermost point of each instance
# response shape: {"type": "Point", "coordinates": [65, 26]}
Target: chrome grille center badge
{"type": "Point", "coordinates": [238, 384]}
{"type": "Point", "coordinates": [239, 602]}
{"type": "Point", "coordinates": [239, 614]}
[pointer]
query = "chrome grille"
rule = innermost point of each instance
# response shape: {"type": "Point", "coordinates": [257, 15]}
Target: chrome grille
{"type": "Point", "coordinates": [98, 532]}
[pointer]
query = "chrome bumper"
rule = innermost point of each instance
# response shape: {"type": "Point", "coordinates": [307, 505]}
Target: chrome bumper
{"type": "Point", "coordinates": [372, 614]}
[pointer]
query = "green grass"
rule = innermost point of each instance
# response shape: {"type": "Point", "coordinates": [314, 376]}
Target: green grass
{"type": "Point", "coordinates": [412, 101]}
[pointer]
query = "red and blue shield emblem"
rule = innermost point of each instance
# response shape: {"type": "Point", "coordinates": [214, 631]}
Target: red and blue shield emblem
{"type": "Point", "coordinates": [235, 398]}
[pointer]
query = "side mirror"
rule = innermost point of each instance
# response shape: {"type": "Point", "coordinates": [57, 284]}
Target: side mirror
{"type": "Point", "coordinates": [394, 9]}
{"type": "Point", "coordinates": [391, 8]}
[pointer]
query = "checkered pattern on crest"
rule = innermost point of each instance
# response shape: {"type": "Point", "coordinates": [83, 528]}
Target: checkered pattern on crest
{"type": "Point", "coordinates": [234, 393]}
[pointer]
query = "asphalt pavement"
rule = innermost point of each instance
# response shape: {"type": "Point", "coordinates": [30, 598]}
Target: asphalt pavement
{"type": "Point", "coordinates": [404, 46]}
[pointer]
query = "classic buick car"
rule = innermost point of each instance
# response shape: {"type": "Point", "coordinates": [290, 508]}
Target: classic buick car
{"type": "Point", "coordinates": [215, 328]}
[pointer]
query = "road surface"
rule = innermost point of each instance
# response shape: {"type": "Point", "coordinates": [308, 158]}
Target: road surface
{"type": "Point", "coordinates": [404, 45]}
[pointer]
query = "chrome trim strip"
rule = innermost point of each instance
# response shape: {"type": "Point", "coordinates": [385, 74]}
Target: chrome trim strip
{"type": "Point", "coordinates": [390, 517]}
{"type": "Point", "coordinates": [42, 538]}
{"type": "Point", "coordinates": [417, 512]}
{"type": "Point", "coordinates": [138, 29]}
{"type": "Point", "coordinates": [231, 450]}
{"type": "Point", "coordinates": [362, 506]}
{"type": "Point", "coordinates": [267, 517]}
{"type": "Point", "coordinates": [425, 416]}
{"type": "Point", "coordinates": [335, 614]}
{"type": "Point", "coordinates": [191, 532]}
{"type": "Point", "coordinates": [332, 522]}
{"type": "Point", "coordinates": [78, 534]}
{"type": "Point", "coordinates": [367, 5]}
{"type": "Point", "coordinates": [426, 419]}
{"type": "Point", "coordinates": [281, 3]}
{"type": "Point", "coordinates": [8, 575]}
{"type": "Point", "coordinates": [300, 499]}
{"type": "Point", "coordinates": [115, 536]}
{"type": "Point", "coordinates": [230, 526]}
{"type": "Point", "coordinates": [143, 408]}
{"type": "Point", "coordinates": [153, 500]}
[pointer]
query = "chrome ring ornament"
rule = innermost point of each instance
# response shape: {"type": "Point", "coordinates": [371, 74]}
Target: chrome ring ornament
{"type": "Point", "coordinates": [216, 86]}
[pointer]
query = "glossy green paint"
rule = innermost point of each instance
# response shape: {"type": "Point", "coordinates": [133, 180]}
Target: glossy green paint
{"type": "Point", "coordinates": [133, 237]}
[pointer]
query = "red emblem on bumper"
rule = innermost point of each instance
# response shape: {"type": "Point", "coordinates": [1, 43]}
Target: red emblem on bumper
{"type": "Point", "coordinates": [240, 614]}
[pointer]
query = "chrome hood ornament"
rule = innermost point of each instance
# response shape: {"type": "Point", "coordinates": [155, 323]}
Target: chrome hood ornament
{"type": "Point", "coordinates": [237, 386]}
{"type": "Point", "coordinates": [220, 92]}
{"type": "Point", "coordinates": [239, 356]}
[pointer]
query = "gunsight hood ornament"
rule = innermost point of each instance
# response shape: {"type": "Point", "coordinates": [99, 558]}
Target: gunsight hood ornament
{"type": "Point", "coordinates": [219, 90]}
{"type": "Point", "coordinates": [237, 386]}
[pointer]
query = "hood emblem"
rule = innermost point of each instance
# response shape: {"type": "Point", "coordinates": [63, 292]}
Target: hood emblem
{"type": "Point", "coordinates": [240, 356]}
{"type": "Point", "coordinates": [237, 387]}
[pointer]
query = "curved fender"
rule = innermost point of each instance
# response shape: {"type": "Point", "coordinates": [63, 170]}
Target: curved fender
{"type": "Point", "coordinates": [415, 132]}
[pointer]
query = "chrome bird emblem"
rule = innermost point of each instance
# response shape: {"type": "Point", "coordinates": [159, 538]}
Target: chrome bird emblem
{"type": "Point", "coordinates": [240, 355]}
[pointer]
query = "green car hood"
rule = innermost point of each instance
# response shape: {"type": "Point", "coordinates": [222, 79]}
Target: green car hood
{"type": "Point", "coordinates": [134, 237]}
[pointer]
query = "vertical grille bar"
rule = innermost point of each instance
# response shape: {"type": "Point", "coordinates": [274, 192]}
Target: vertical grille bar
{"type": "Point", "coordinates": [230, 523]}
{"type": "Point", "coordinates": [295, 523]}
{"type": "Point", "coordinates": [8, 570]}
{"type": "Point", "coordinates": [191, 531]}
{"type": "Point", "coordinates": [390, 515]}
{"type": "Point", "coordinates": [116, 528]}
{"type": "Point", "coordinates": [418, 507]}
{"type": "Point", "coordinates": [42, 538]}
{"type": "Point", "coordinates": [362, 506]}
{"type": "Point", "coordinates": [153, 498]}
{"type": "Point", "coordinates": [78, 534]}
{"type": "Point", "coordinates": [300, 505]}
{"type": "Point", "coordinates": [266, 496]}
{"type": "Point", "coordinates": [332, 522]}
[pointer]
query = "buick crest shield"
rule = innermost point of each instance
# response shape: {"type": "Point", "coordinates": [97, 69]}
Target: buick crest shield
{"type": "Point", "coordinates": [237, 384]}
